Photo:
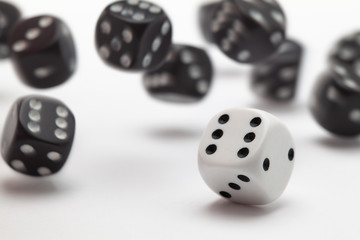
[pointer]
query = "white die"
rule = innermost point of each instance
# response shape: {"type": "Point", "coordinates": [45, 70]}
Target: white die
{"type": "Point", "coordinates": [246, 155]}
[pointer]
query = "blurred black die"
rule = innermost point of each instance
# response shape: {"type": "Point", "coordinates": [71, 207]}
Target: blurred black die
{"type": "Point", "coordinates": [276, 78]}
{"type": "Point", "coordinates": [43, 51]}
{"type": "Point", "coordinates": [38, 135]}
{"type": "Point", "coordinates": [185, 77]}
{"type": "Point", "coordinates": [336, 108]}
{"type": "Point", "coordinates": [248, 31]}
{"type": "Point", "coordinates": [133, 35]}
{"type": "Point", "coordinates": [206, 15]}
{"type": "Point", "coordinates": [345, 61]}
{"type": "Point", "coordinates": [9, 16]}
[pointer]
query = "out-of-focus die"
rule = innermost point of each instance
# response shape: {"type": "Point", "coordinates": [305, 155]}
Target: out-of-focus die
{"type": "Point", "coordinates": [206, 15]}
{"type": "Point", "coordinates": [276, 78]}
{"type": "Point", "coordinates": [185, 77]}
{"type": "Point", "coordinates": [43, 51]}
{"type": "Point", "coordinates": [38, 135]}
{"type": "Point", "coordinates": [248, 31]}
{"type": "Point", "coordinates": [335, 107]}
{"type": "Point", "coordinates": [345, 61]}
{"type": "Point", "coordinates": [9, 15]}
{"type": "Point", "coordinates": [133, 35]}
{"type": "Point", "coordinates": [246, 156]}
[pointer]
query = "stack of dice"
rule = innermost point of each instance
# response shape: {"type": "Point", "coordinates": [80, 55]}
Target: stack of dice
{"type": "Point", "coordinates": [39, 131]}
{"type": "Point", "coordinates": [335, 102]}
{"type": "Point", "coordinates": [254, 32]}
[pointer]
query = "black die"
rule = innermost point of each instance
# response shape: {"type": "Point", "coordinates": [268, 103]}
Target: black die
{"type": "Point", "coordinates": [185, 76]}
{"type": "Point", "coordinates": [336, 108]}
{"type": "Point", "coordinates": [9, 16]}
{"type": "Point", "coordinates": [206, 15]}
{"type": "Point", "coordinates": [345, 61]}
{"type": "Point", "coordinates": [38, 135]}
{"type": "Point", "coordinates": [43, 51]}
{"type": "Point", "coordinates": [248, 31]}
{"type": "Point", "coordinates": [276, 78]}
{"type": "Point", "coordinates": [133, 35]}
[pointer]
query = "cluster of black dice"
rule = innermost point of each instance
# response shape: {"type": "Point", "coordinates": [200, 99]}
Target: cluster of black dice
{"type": "Point", "coordinates": [137, 35]}
{"type": "Point", "coordinates": [39, 131]}
{"type": "Point", "coordinates": [335, 102]}
{"type": "Point", "coordinates": [254, 32]}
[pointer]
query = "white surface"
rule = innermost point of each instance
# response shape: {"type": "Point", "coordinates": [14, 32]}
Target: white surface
{"type": "Point", "coordinates": [133, 170]}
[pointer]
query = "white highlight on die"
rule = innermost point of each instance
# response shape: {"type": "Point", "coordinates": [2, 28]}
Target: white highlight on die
{"type": "Point", "coordinates": [127, 35]}
{"type": "Point", "coordinates": [195, 71]}
{"type": "Point", "coordinates": [244, 55]}
{"type": "Point", "coordinates": [104, 52]}
{"type": "Point", "coordinates": [34, 116]}
{"type": "Point", "coordinates": [20, 46]}
{"type": "Point", "coordinates": [284, 93]}
{"type": "Point", "coordinates": [257, 16]}
{"type": "Point", "coordinates": [333, 95]}
{"type": "Point", "coordinates": [32, 33]}
{"type": "Point", "coordinates": [116, 8]}
{"type": "Point", "coordinates": [226, 45]}
{"type": "Point", "coordinates": [45, 22]}
{"type": "Point", "coordinates": [133, 2]}
{"type": "Point", "coordinates": [27, 149]}
{"type": "Point", "coordinates": [340, 70]}
{"type": "Point", "coordinates": [355, 116]}
{"type": "Point", "coordinates": [54, 156]}
{"type": "Point", "coordinates": [33, 127]}
{"type": "Point", "coordinates": [144, 5]}
{"type": "Point", "coordinates": [35, 104]}
{"type": "Point", "coordinates": [347, 54]}
{"type": "Point", "coordinates": [357, 68]}
{"type": "Point", "coordinates": [43, 72]}
{"type": "Point", "coordinates": [147, 60]}
{"type": "Point", "coordinates": [43, 171]}
{"type": "Point", "coordinates": [60, 134]}
{"type": "Point", "coordinates": [165, 28]}
{"type": "Point", "coordinates": [238, 26]}
{"type": "Point", "coordinates": [155, 9]}
{"type": "Point", "coordinates": [232, 36]}
{"type": "Point", "coordinates": [105, 27]}
{"type": "Point", "coordinates": [125, 60]}
{"type": "Point", "coordinates": [186, 57]}
{"type": "Point", "coordinates": [288, 74]}
{"type": "Point", "coordinates": [18, 165]}
{"type": "Point", "coordinates": [276, 38]}
{"type": "Point", "coordinates": [156, 44]}
{"type": "Point", "coordinates": [278, 16]}
{"type": "Point", "coordinates": [138, 16]}
{"type": "Point", "coordinates": [202, 86]}
{"type": "Point", "coordinates": [3, 20]}
{"type": "Point", "coordinates": [62, 111]}
{"type": "Point", "coordinates": [116, 44]}
{"type": "Point", "coordinates": [350, 83]}
{"type": "Point", "coordinates": [61, 123]}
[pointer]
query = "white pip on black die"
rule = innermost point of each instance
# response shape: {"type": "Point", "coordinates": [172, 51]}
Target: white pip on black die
{"type": "Point", "coordinates": [246, 156]}
{"type": "Point", "coordinates": [38, 136]}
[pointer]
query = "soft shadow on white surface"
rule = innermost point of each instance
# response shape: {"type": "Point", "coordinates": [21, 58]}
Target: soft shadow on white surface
{"type": "Point", "coordinates": [24, 186]}
{"type": "Point", "coordinates": [230, 210]}
{"type": "Point", "coordinates": [174, 133]}
{"type": "Point", "coordinates": [279, 107]}
{"type": "Point", "coordinates": [340, 143]}
{"type": "Point", "coordinates": [226, 74]}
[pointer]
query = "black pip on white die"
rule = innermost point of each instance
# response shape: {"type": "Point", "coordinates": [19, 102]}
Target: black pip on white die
{"type": "Point", "coordinates": [248, 31]}
{"type": "Point", "coordinates": [185, 76]}
{"type": "Point", "coordinates": [276, 77]}
{"type": "Point", "coordinates": [43, 51]}
{"type": "Point", "coordinates": [38, 135]}
{"type": "Point", "coordinates": [9, 16]}
{"type": "Point", "coordinates": [335, 107]}
{"type": "Point", "coordinates": [345, 61]}
{"type": "Point", "coordinates": [133, 34]}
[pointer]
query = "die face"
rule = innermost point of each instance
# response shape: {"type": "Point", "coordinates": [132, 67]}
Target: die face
{"type": "Point", "coordinates": [133, 35]}
{"type": "Point", "coordinates": [43, 51]}
{"type": "Point", "coordinates": [9, 16]}
{"type": "Point", "coordinates": [248, 31]}
{"type": "Point", "coordinates": [206, 15]}
{"type": "Point", "coordinates": [335, 108]}
{"type": "Point", "coordinates": [240, 159]}
{"type": "Point", "coordinates": [38, 136]}
{"type": "Point", "coordinates": [345, 61]}
{"type": "Point", "coordinates": [185, 77]}
{"type": "Point", "coordinates": [276, 78]}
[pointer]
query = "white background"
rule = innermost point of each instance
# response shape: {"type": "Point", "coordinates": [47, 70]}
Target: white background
{"type": "Point", "coordinates": [133, 170]}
